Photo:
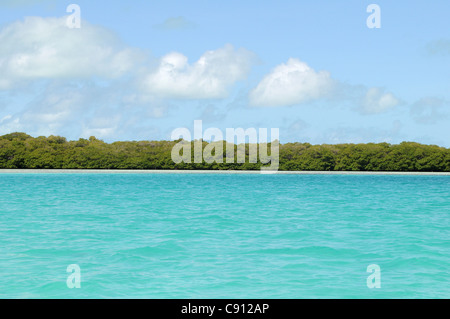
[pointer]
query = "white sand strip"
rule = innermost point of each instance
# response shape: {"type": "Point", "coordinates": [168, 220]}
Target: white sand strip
{"type": "Point", "coordinates": [106, 171]}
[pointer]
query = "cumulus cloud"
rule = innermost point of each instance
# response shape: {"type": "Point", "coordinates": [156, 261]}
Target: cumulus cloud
{"type": "Point", "coordinates": [81, 110]}
{"type": "Point", "coordinates": [208, 78]}
{"type": "Point", "coordinates": [377, 101]}
{"type": "Point", "coordinates": [56, 110]}
{"type": "Point", "coordinates": [45, 48]}
{"type": "Point", "coordinates": [291, 83]}
{"type": "Point", "coordinates": [86, 81]}
{"type": "Point", "coordinates": [294, 83]}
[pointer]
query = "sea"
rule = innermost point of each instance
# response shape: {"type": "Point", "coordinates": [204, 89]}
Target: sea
{"type": "Point", "coordinates": [210, 235]}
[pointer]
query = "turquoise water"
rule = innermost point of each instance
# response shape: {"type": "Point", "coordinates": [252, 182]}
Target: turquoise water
{"type": "Point", "coordinates": [224, 236]}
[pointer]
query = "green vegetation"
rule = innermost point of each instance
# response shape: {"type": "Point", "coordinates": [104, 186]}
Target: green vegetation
{"type": "Point", "coordinates": [19, 150]}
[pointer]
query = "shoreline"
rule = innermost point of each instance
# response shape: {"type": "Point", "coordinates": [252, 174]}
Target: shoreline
{"type": "Point", "coordinates": [258, 172]}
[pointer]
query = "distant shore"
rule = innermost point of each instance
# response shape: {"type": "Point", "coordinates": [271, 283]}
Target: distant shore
{"type": "Point", "coordinates": [22, 151]}
{"type": "Point", "coordinates": [115, 171]}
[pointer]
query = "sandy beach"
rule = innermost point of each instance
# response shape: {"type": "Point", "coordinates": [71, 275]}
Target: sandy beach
{"type": "Point", "coordinates": [105, 171]}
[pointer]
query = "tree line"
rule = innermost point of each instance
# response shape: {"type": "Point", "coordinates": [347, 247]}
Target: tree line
{"type": "Point", "coordinates": [22, 151]}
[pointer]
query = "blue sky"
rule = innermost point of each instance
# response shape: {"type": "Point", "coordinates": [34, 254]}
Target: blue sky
{"type": "Point", "coordinates": [139, 69]}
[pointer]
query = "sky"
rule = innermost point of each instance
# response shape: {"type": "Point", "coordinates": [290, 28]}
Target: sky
{"type": "Point", "coordinates": [137, 70]}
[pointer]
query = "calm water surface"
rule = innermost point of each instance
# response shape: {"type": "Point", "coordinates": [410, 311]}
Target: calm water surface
{"type": "Point", "coordinates": [224, 236]}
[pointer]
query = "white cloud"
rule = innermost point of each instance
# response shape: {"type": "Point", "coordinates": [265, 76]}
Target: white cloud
{"type": "Point", "coordinates": [57, 109]}
{"type": "Point", "coordinates": [377, 101]}
{"type": "Point", "coordinates": [45, 48]}
{"type": "Point", "coordinates": [77, 110]}
{"type": "Point", "coordinates": [208, 78]}
{"type": "Point", "coordinates": [291, 83]}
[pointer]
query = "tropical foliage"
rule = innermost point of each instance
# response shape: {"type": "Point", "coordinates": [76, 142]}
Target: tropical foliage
{"type": "Point", "coordinates": [21, 151]}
